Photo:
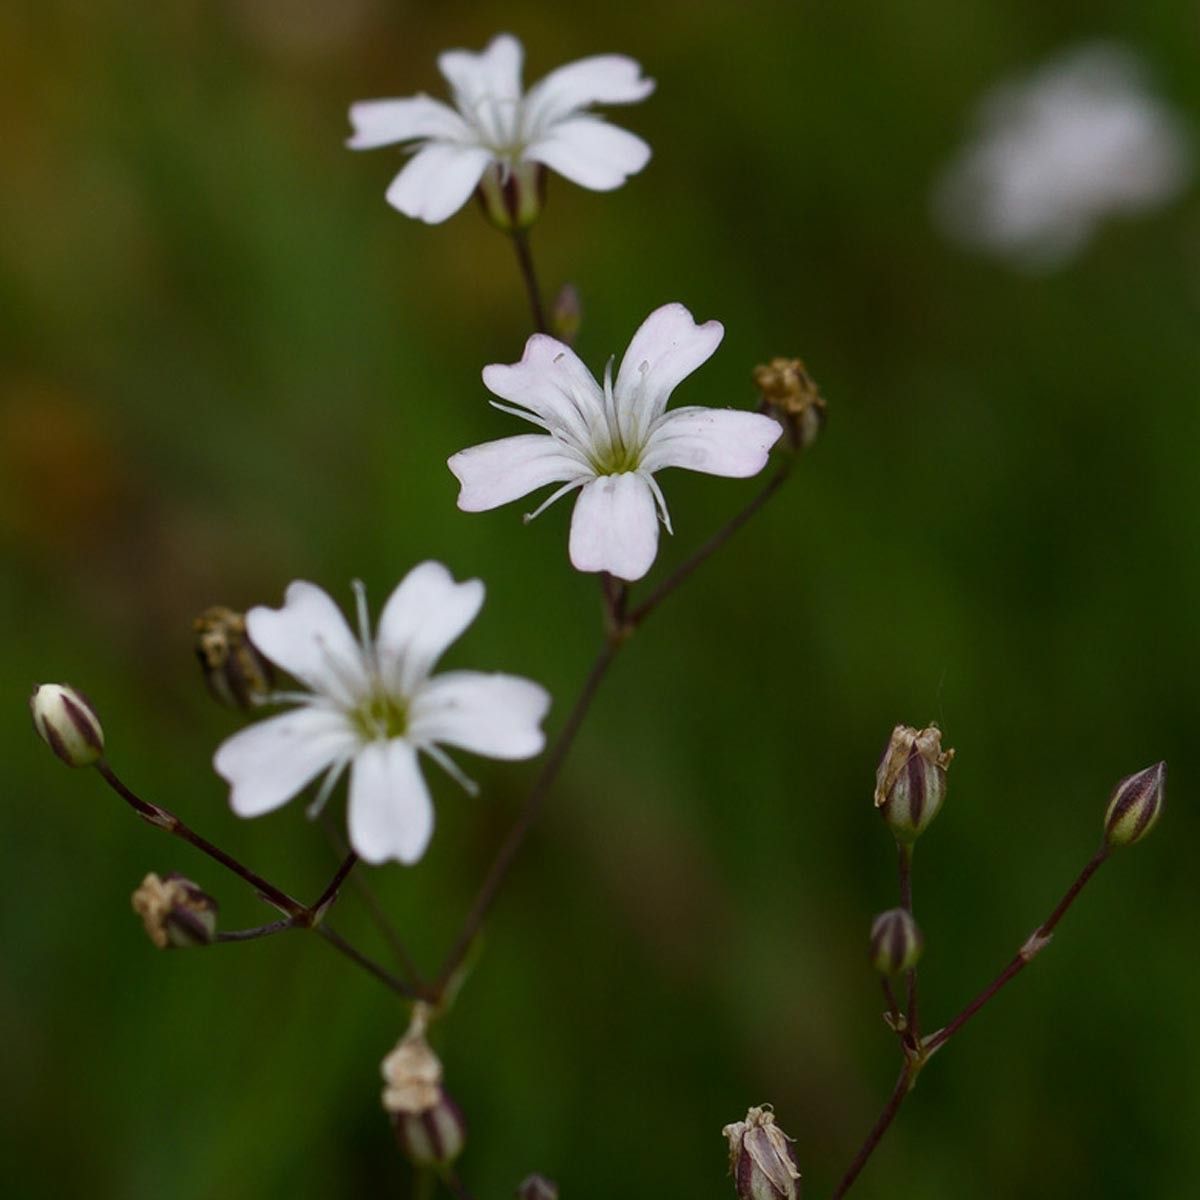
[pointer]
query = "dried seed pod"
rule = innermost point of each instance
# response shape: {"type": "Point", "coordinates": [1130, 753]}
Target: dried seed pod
{"type": "Point", "coordinates": [175, 912]}
{"type": "Point", "coordinates": [761, 1159]}
{"type": "Point", "coordinates": [910, 782]}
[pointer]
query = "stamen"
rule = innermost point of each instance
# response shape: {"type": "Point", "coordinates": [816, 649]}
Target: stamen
{"type": "Point", "coordinates": [659, 499]}
{"type": "Point", "coordinates": [451, 768]}
{"type": "Point", "coordinates": [555, 495]}
{"type": "Point", "coordinates": [364, 621]}
{"type": "Point", "coordinates": [532, 418]}
{"type": "Point", "coordinates": [314, 810]}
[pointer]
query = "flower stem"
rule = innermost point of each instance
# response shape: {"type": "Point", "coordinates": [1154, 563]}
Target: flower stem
{"type": "Point", "coordinates": [511, 846]}
{"type": "Point", "coordinates": [520, 238]}
{"type": "Point", "coordinates": [327, 897]}
{"type": "Point", "coordinates": [1036, 942]}
{"type": "Point", "coordinates": [706, 551]}
{"type": "Point", "coordinates": [369, 965]}
{"type": "Point", "coordinates": [912, 1029]}
{"type": "Point", "coordinates": [885, 1118]}
{"type": "Point", "coordinates": [259, 931]}
{"type": "Point", "coordinates": [454, 1185]}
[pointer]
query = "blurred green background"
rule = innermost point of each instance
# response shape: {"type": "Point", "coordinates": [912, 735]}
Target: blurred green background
{"type": "Point", "coordinates": [228, 364]}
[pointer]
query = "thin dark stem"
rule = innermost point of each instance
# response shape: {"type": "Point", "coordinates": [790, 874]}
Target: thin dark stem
{"type": "Point", "coordinates": [385, 977]}
{"type": "Point", "coordinates": [890, 1109]}
{"type": "Point", "coordinates": [511, 846]}
{"type": "Point", "coordinates": [706, 551]}
{"type": "Point", "coordinates": [327, 897]}
{"type": "Point", "coordinates": [520, 239]}
{"type": "Point", "coordinates": [259, 931]}
{"type": "Point", "coordinates": [889, 998]}
{"type": "Point", "coordinates": [1023, 957]}
{"type": "Point", "coordinates": [162, 819]}
{"type": "Point", "coordinates": [454, 1184]}
{"type": "Point", "coordinates": [407, 966]}
{"type": "Point", "coordinates": [912, 1031]}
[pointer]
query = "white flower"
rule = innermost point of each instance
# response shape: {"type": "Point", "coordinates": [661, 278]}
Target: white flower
{"type": "Point", "coordinates": [609, 441]}
{"type": "Point", "coordinates": [1080, 140]}
{"type": "Point", "coordinates": [372, 706]}
{"type": "Point", "coordinates": [496, 123]}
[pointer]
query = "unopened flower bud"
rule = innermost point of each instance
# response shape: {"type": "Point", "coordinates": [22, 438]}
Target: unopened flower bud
{"type": "Point", "coordinates": [910, 783]}
{"type": "Point", "coordinates": [67, 724]}
{"type": "Point", "coordinates": [236, 672]}
{"type": "Point", "coordinates": [175, 912]}
{"type": "Point", "coordinates": [512, 194]}
{"type": "Point", "coordinates": [567, 314]}
{"type": "Point", "coordinates": [761, 1159]}
{"type": "Point", "coordinates": [537, 1187]}
{"type": "Point", "coordinates": [790, 395]}
{"type": "Point", "coordinates": [428, 1125]}
{"type": "Point", "coordinates": [896, 942]}
{"type": "Point", "coordinates": [1135, 806]}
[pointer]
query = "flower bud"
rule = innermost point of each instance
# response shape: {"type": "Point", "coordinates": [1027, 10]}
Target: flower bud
{"type": "Point", "coordinates": [428, 1125]}
{"type": "Point", "coordinates": [761, 1159]}
{"type": "Point", "coordinates": [175, 912]}
{"type": "Point", "coordinates": [512, 194]}
{"type": "Point", "coordinates": [790, 395]}
{"type": "Point", "coordinates": [910, 783]}
{"type": "Point", "coordinates": [567, 314]}
{"type": "Point", "coordinates": [537, 1187]}
{"type": "Point", "coordinates": [896, 942]}
{"type": "Point", "coordinates": [67, 724]}
{"type": "Point", "coordinates": [1135, 806]}
{"type": "Point", "coordinates": [236, 672]}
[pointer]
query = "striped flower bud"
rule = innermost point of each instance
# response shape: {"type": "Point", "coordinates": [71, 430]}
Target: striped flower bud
{"type": "Point", "coordinates": [1135, 806]}
{"type": "Point", "coordinates": [896, 942]}
{"type": "Point", "coordinates": [761, 1159]}
{"type": "Point", "coordinates": [910, 782]}
{"type": "Point", "coordinates": [67, 724]}
{"type": "Point", "coordinates": [537, 1187]}
{"type": "Point", "coordinates": [175, 912]}
{"type": "Point", "coordinates": [236, 673]}
{"type": "Point", "coordinates": [428, 1125]}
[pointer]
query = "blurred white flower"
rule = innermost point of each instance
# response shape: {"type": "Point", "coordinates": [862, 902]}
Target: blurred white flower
{"type": "Point", "coordinates": [609, 441]}
{"type": "Point", "coordinates": [497, 127]}
{"type": "Point", "coordinates": [1079, 140]}
{"type": "Point", "coordinates": [372, 706]}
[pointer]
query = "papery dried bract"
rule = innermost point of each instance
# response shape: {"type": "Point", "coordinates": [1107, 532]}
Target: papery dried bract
{"type": "Point", "coordinates": [761, 1159]}
{"type": "Point", "coordinates": [237, 674]}
{"type": "Point", "coordinates": [791, 396]}
{"type": "Point", "coordinates": [176, 912]}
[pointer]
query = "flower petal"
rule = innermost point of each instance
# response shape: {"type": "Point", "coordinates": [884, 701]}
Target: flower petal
{"type": "Point", "coordinates": [590, 152]}
{"type": "Point", "coordinates": [666, 349]}
{"type": "Point", "coordinates": [268, 763]}
{"type": "Point", "coordinates": [382, 122]}
{"type": "Point", "coordinates": [600, 79]}
{"type": "Point", "coordinates": [309, 638]}
{"type": "Point", "coordinates": [438, 180]}
{"type": "Point", "coordinates": [497, 472]}
{"type": "Point", "coordinates": [498, 716]}
{"type": "Point", "coordinates": [495, 72]}
{"type": "Point", "coordinates": [423, 616]}
{"type": "Point", "coordinates": [551, 381]}
{"type": "Point", "coordinates": [614, 527]}
{"type": "Point", "coordinates": [716, 441]}
{"type": "Point", "coordinates": [391, 815]}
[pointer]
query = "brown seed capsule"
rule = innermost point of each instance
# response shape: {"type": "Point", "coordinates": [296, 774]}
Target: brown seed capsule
{"type": "Point", "coordinates": [236, 672]}
{"type": "Point", "coordinates": [67, 723]}
{"type": "Point", "coordinates": [513, 195]}
{"type": "Point", "coordinates": [761, 1159]}
{"type": "Point", "coordinates": [896, 942]}
{"type": "Point", "coordinates": [790, 395]}
{"type": "Point", "coordinates": [175, 912]}
{"type": "Point", "coordinates": [1135, 806]}
{"type": "Point", "coordinates": [910, 782]}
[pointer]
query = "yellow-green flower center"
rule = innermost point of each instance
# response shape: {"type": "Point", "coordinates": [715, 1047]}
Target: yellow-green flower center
{"type": "Point", "coordinates": [382, 716]}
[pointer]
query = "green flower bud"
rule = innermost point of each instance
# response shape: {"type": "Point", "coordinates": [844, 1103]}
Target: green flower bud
{"type": "Point", "coordinates": [236, 672]}
{"type": "Point", "coordinates": [761, 1159]}
{"type": "Point", "coordinates": [896, 942]}
{"type": "Point", "coordinates": [1135, 806]}
{"type": "Point", "coordinates": [67, 724]}
{"type": "Point", "coordinates": [175, 912]}
{"type": "Point", "coordinates": [910, 782]}
{"type": "Point", "coordinates": [512, 194]}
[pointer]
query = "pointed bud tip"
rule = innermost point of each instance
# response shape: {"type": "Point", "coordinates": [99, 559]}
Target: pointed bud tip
{"type": "Point", "coordinates": [67, 723]}
{"type": "Point", "coordinates": [1135, 806]}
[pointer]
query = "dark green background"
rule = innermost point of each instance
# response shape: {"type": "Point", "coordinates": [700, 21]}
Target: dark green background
{"type": "Point", "coordinates": [228, 364]}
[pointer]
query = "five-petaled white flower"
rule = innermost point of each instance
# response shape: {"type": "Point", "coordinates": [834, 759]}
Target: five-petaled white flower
{"type": "Point", "coordinates": [373, 706]}
{"type": "Point", "coordinates": [609, 441]}
{"type": "Point", "coordinates": [498, 128]}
